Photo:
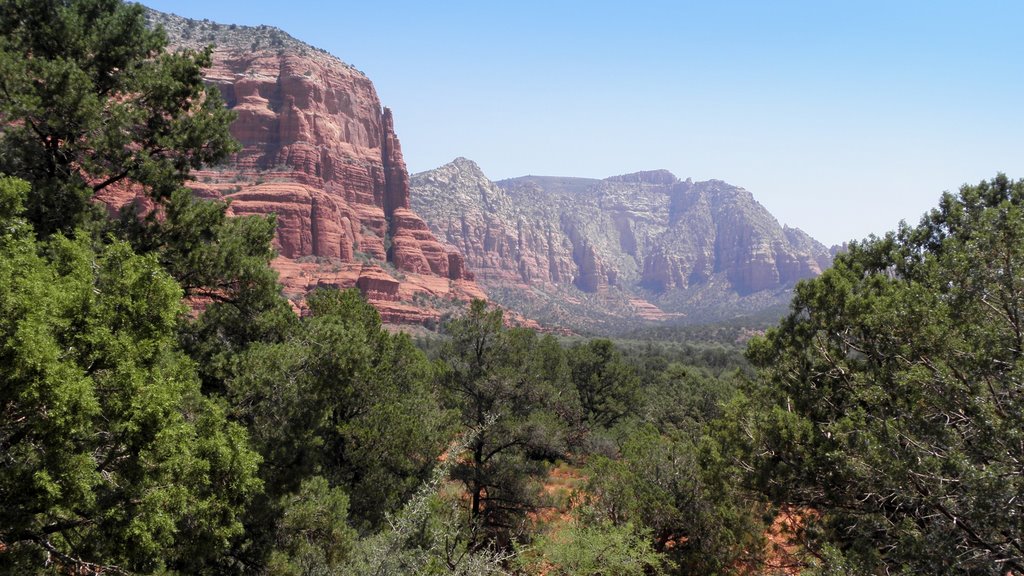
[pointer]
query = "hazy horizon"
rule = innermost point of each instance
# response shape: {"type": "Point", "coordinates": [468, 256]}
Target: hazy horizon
{"type": "Point", "coordinates": [841, 120]}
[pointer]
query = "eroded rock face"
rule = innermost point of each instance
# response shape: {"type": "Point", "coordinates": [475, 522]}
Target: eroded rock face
{"type": "Point", "coordinates": [320, 152]}
{"type": "Point", "coordinates": [500, 245]}
{"type": "Point", "coordinates": [637, 242]}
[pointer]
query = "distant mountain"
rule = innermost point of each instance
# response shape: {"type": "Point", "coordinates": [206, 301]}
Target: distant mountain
{"type": "Point", "coordinates": [598, 254]}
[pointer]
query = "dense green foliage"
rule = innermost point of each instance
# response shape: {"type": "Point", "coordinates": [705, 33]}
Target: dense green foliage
{"type": "Point", "coordinates": [893, 399]}
{"type": "Point", "coordinates": [342, 411]}
{"type": "Point", "coordinates": [588, 548]}
{"type": "Point", "coordinates": [91, 100]}
{"type": "Point", "coordinates": [608, 388]}
{"type": "Point", "coordinates": [660, 496]}
{"type": "Point", "coordinates": [110, 453]}
{"type": "Point", "coordinates": [671, 479]}
{"type": "Point", "coordinates": [223, 262]}
{"type": "Point", "coordinates": [511, 387]}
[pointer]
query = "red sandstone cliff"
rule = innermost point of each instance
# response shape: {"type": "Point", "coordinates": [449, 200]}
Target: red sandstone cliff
{"type": "Point", "coordinates": [320, 152]}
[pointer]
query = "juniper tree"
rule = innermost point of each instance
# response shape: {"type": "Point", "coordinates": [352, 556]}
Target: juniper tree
{"type": "Point", "coordinates": [91, 98]}
{"type": "Point", "coordinates": [110, 457]}
{"type": "Point", "coordinates": [893, 397]}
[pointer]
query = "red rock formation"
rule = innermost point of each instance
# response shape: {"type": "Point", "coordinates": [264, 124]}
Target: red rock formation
{"type": "Point", "coordinates": [457, 266]}
{"type": "Point", "coordinates": [644, 309]}
{"type": "Point", "coordinates": [375, 284]}
{"type": "Point", "coordinates": [396, 192]}
{"type": "Point", "coordinates": [414, 247]}
{"type": "Point", "coordinates": [320, 152]}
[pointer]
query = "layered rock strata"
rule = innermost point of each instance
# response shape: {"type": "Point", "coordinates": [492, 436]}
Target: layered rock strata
{"type": "Point", "coordinates": [321, 153]}
{"type": "Point", "coordinates": [635, 242]}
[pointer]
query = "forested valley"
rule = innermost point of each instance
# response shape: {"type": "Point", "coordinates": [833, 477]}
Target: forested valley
{"type": "Point", "coordinates": [163, 410]}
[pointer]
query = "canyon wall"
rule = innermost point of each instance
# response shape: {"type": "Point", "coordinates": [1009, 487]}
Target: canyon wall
{"type": "Point", "coordinates": [642, 245]}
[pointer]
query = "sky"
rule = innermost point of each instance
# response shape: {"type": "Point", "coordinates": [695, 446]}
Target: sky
{"type": "Point", "coordinates": [841, 118]}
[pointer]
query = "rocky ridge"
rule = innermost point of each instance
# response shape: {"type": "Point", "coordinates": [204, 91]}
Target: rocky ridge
{"type": "Point", "coordinates": [320, 152]}
{"type": "Point", "coordinates": [645, 245]}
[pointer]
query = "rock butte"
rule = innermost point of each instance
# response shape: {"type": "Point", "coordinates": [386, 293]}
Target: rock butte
{"type": "Point", "coordinates": [320, 152]}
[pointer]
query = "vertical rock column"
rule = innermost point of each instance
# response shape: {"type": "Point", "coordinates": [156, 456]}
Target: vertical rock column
{"type": "Point", "coordinates": [396, 176]}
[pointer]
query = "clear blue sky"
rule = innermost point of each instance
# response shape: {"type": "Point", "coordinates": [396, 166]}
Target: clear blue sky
{"type": "Point", "coordinates": [842, 118]}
